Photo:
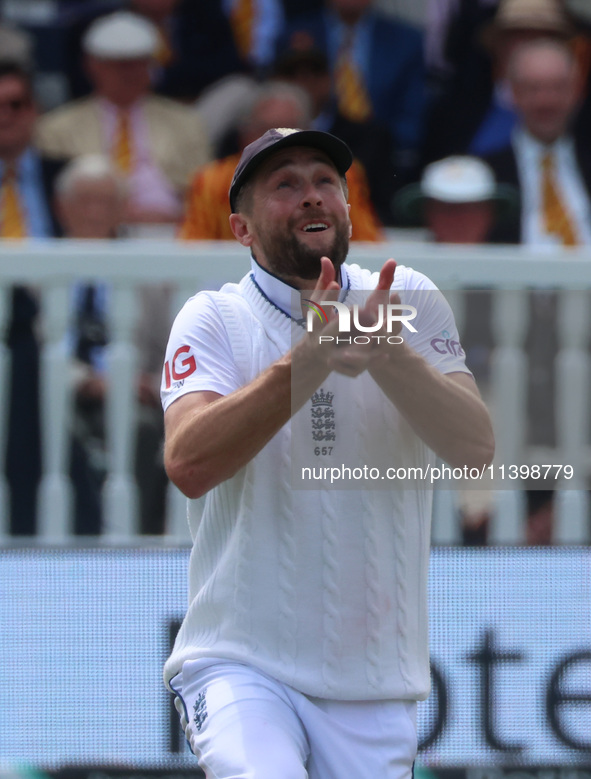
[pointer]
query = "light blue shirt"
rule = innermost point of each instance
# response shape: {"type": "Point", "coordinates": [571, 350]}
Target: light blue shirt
{"type": "Point", "coordinates": [529, 153]}
{"type": "Point", "coordinates": [361, 43]}
{"type": "Point", "coordinates": [32, 194]}
{"type": "Point", "coordinates": [268, 23]}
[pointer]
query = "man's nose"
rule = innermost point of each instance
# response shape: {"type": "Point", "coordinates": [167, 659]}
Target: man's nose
{"type": "Point", "coordinates": [311, 196]}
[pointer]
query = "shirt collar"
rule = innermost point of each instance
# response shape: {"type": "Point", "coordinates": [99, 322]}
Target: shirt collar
{"type": "Point", "coordinates": [534, 148]}
{"type": "Point", "coordinates": [281, 294]}
{"type": "Point", "coordinates": [113, 111]}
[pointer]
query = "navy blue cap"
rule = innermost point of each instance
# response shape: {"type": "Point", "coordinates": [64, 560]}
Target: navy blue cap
{"type": "Point", "coordinates": [279, 138]}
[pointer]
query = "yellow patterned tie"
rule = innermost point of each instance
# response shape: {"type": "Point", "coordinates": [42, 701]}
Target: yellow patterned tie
{"type": "Point", "coordinates": [11, 214]}
{"type": "Point", "coordinates": [556, 218]}
{"type": "Point", "coordinates": [122, 144]}
{"type": "Point", "coordinates": [352, 95]}
{"type": "Point", "coordinates": [242, 22]}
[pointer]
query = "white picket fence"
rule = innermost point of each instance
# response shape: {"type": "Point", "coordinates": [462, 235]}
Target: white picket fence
{"type": "Point", "coordinates": [51, 267]}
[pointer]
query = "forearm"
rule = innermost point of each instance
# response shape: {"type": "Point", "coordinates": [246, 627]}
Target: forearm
{"type": "Point", "coordinates": [445, 411]}
{"type": "Point", "coordinates": [211, 442]}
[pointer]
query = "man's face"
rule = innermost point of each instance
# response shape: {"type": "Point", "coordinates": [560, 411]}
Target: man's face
{"type": "Point", "coordinates": [298, 214]}
{"type": "Point", "coordinates": [17, 116]}
{"type": "Point", "coordinates": [546, 91]}
{"type": "Point", "coordinates": [459, 222]}
{"type": "Point", "coordinates": [120, 81]}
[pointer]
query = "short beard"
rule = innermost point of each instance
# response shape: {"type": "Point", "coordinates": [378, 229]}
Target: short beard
{"type": "Point", "coordinates": [289, 258]}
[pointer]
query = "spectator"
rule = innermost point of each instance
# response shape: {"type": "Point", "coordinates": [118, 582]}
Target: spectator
{"type": "Point", "coordinates": [154, 141]}
{"type": "Point", "coordinates": [460, 203]}
{"type": "Point", "coordinates": [458, 200]}
{"type": "Point", "coordinates": [91, 195]}
{"type": "Point", "coordinates": [196, 45]}
{"type": "Point", "coordinates": [277, 105]}
{"type": "Point", "coordinates": [539, 525]}
{"type": "Point", "coordinates": [475, 114]}
{"type": "Point", "coordinates": [308, 67]}
{"type": "Point", "coordinates": [551, 168]}
{"type": "Point", "coordinates": [256, 25]}
{"type": "Point", "coordinates": [377, 67]}
{"type": "Point", "coordinates": [25, 211]}
{"type": "Point", "coordinates": [27, 174]}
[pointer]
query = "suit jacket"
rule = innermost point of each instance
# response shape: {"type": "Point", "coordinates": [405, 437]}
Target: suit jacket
{"type": "Point", "coordinates": [177, 138]}
{"type": "Point", "coordinates": [396, 74]}
{"type": "Point", "coordinates": [50, 168]}
{"type": "Point", "coordinates": [504, 165]}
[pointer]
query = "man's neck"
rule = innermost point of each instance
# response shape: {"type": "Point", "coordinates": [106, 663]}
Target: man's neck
{"type": "Point", "coordinates": [118, 104]}
{"type": "Point", "coordinates": [547, 139]}
{"type": "Point", "coordinates": [297, 282]}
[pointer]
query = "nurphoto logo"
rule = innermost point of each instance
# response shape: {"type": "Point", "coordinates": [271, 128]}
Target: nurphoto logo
{"type": "Point", "coordinates": [349, 319]}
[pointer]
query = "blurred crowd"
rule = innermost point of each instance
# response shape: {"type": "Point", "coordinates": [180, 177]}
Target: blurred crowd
{"type": "Point", "coordinates": [127, 117]}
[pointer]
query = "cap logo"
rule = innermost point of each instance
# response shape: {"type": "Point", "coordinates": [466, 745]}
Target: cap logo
{"type": "Point", "coordinates": [285, 131]}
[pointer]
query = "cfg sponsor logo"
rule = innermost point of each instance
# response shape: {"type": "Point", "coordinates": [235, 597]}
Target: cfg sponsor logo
{"type": "Point", "coordinates": [445, 344]}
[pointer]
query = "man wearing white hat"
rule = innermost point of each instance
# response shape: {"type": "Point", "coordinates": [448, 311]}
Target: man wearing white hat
{"type": "Point", "coordinates": [155, 142]}
{"type": "Point", "coordinates": [457, 199]}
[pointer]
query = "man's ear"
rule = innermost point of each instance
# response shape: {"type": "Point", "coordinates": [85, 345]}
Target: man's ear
{"type": "Point", "coordinates": [241, 229]}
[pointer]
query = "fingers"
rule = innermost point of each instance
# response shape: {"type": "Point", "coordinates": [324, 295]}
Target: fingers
{"type": "Point", "coordinates": [380, 294]}
{"type": "Point", "coordinates": [357, 358]}
{"type": "Point", "coordinates": [327, 280]}
{"type": "Point", "coordinates": [385, 282]}
{"type": "Point", "coordinates": [386, 275]}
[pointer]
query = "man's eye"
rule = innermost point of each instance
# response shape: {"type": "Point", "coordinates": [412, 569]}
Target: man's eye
{"type": "Point", "coordinates": [283, 184]}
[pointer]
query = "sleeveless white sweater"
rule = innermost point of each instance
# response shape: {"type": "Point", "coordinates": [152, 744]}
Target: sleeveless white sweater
{"type": "Point", "coordinates": [324, 590]}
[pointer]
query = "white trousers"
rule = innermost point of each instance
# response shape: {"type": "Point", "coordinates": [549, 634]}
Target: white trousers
{"type": "Point", "coordinates": [242, 724]}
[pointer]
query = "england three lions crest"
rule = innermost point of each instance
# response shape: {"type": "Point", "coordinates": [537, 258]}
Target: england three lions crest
{"type": "Point", "coordinates": [323, 416]}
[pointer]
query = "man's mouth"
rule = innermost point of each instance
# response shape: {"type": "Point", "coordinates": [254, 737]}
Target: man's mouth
{"type": "Point", "coordinates": [315, 227]}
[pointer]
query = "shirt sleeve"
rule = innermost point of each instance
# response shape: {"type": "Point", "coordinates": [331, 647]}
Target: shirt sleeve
{"type": "Point", "coordinates": [436, 337]}
{"type": "Point", "coordinates": [199, 355]}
